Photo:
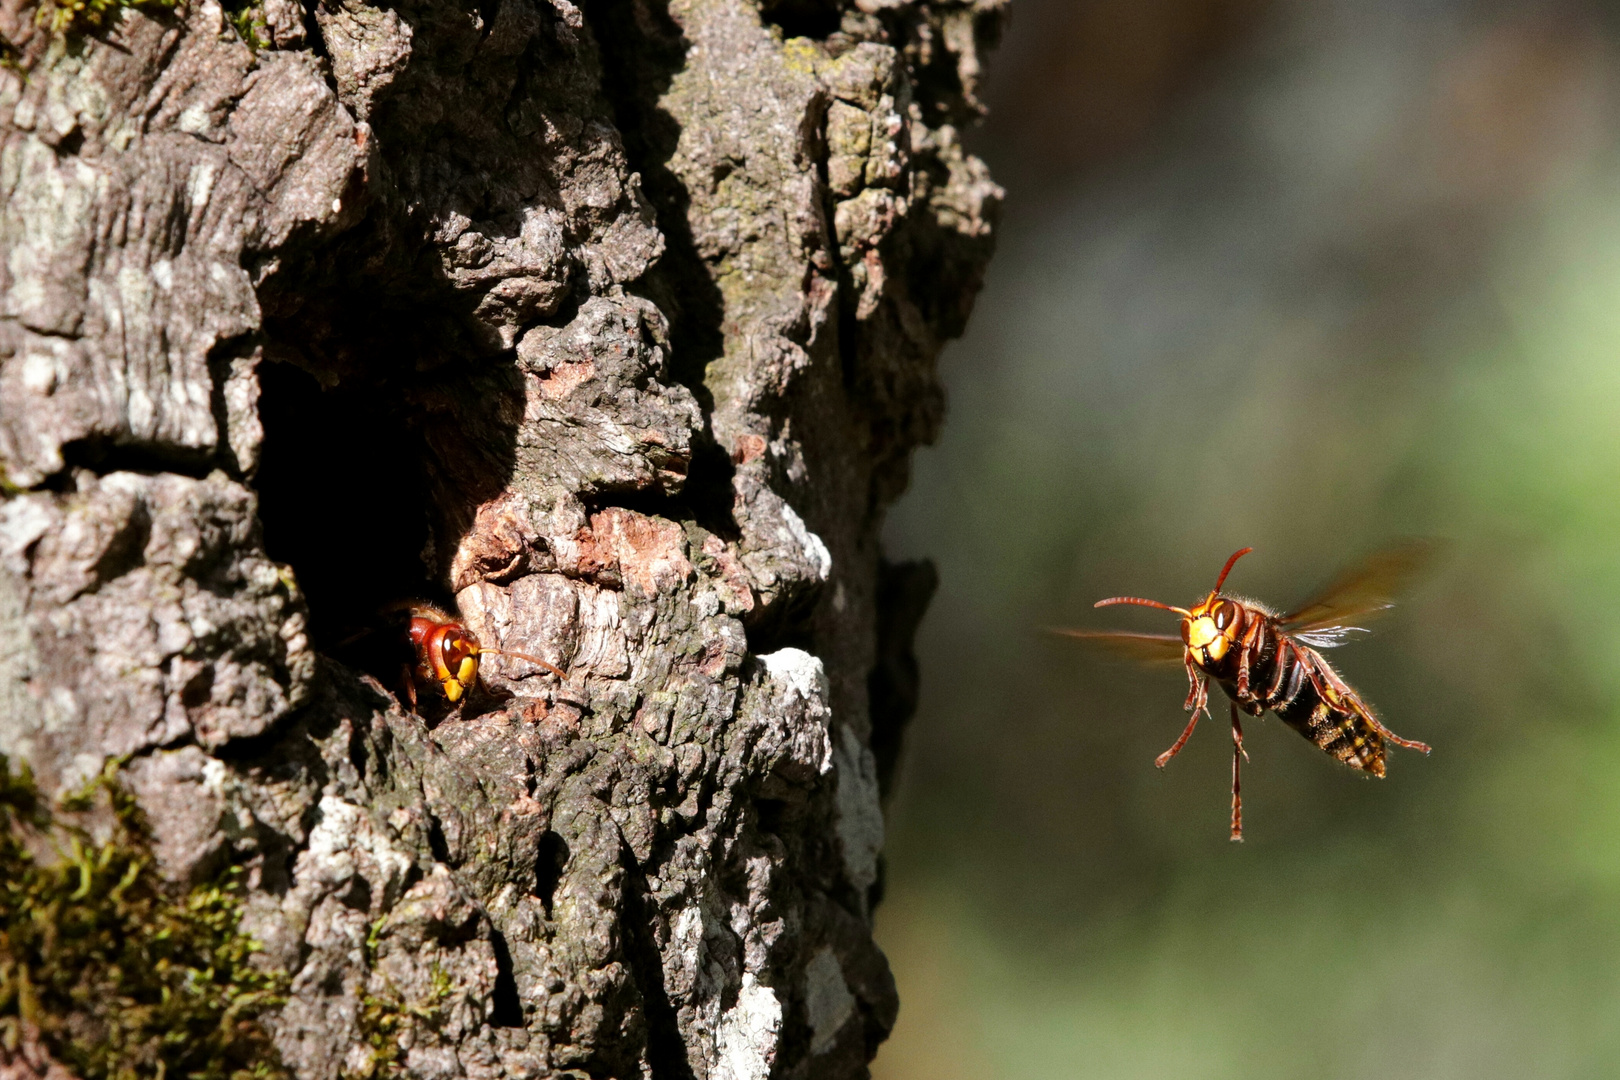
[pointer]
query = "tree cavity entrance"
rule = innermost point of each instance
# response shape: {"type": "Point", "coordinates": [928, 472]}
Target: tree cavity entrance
{"type": "Point", "coordinates": [342, 499]}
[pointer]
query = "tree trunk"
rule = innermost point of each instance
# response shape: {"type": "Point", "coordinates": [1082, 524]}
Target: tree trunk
{"type": "Point", "coordinates": [611, 327]}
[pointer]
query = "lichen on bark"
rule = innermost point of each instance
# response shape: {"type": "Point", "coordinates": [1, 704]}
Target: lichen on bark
{"type": "Point", "coordinates": [611, 325]}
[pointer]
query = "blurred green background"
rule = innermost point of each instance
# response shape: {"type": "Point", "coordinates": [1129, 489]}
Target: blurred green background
{"type": "Point", "coordinates": [1307, 276]}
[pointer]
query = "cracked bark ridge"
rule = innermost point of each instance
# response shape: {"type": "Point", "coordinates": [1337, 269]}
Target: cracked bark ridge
{"type": "Point", "coordinates": [631, 311]}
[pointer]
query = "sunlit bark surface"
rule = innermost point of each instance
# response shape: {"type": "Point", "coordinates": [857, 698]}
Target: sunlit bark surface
{"type": "Point", "coordinates": [611, 327]}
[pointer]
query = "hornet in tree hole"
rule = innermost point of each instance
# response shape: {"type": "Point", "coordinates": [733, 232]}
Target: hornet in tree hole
{"type": "Point", "coordinates": [1263, 660]}
{"type": "Point", "coordinates": [445, 652]}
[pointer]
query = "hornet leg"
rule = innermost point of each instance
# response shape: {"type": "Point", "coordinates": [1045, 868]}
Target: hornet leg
{"type": "Point", "coordinates": [1247, 644]}
{"type": "Point", "coordinates": [1344, 694]}
{"type": "Point", "coordinates": [1164, 759]}
{"type": "Point", "coordinates": [1238, 754]}
{"type": "Point", "coordinates": [408, 678]}
{"type": "Point", "coordinates": [1377, 725]}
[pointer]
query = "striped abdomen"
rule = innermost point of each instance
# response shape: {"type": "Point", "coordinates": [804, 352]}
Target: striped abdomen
{"type": "Point", "coordinates": [1296, 683]}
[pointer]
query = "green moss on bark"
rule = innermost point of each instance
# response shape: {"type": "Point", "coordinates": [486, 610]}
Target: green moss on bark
{"type": "Point", "coordinates": [79, 17]}
{"type": "Point", "coordinates": [116, 974]}
{"type": "Point", "coordinates": [73, 20]}
{"type": "Point", "coordinates": [385, 1015]}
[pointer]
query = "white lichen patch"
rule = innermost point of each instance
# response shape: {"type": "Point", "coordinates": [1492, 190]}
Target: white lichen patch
{"type": "Point", "coordinates": [799, 671]}
{"type": "Point", "coordinates": [827, 999]}
{"type": "Point", "coordinates": [860, 815]}
{"type": "Point", "coordinates": [815, 551]}
{"type": "Point", "coordinates": [749, 1033]}
{"type": "Point", "coordinates": [800, 710]}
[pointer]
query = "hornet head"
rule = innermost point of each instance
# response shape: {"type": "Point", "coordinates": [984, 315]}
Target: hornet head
{"type": "Point", "coordinates": [1209, 630]}
{"type": "Point", "coordinates": [453, 653]}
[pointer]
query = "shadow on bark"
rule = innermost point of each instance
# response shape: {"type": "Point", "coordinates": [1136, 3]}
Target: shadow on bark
{"type": "Point", "coordinates": [642, 49]}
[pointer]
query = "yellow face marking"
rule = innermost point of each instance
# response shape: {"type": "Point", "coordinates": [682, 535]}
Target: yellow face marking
{"type": "Point", "coordinates": [457, 684]}
{"type": "Point", "coordinates": [1201, 631]}
{"type": "Point", "coordinates": [1207, 642]}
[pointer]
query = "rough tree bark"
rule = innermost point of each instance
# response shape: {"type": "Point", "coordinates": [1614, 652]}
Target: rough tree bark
{"type": "Point", "coordinates": [613, 325]}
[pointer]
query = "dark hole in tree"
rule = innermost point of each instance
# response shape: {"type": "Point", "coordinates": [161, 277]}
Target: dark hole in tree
{"type": "Point", "coordinates": [488, 12]}
{"type": "Point", "coordinates": [437, 844]}
{"type": "Point", "coordinates": [506, 1008]}
{"type": "Point", "coordinates": [548, 867]}
{"type": "Point", "coordinates": [357, 753]}
{"type": "Point", "coordinates": [342, 499]}
{"type": "Point", "coordinates": [803, 18]}
{"type": "Point", "coordinates": [357, 895]}
{"type": "Point", "coordinates": [783, 625]}
{"type": "Point", "coordinates": [771, 812]}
